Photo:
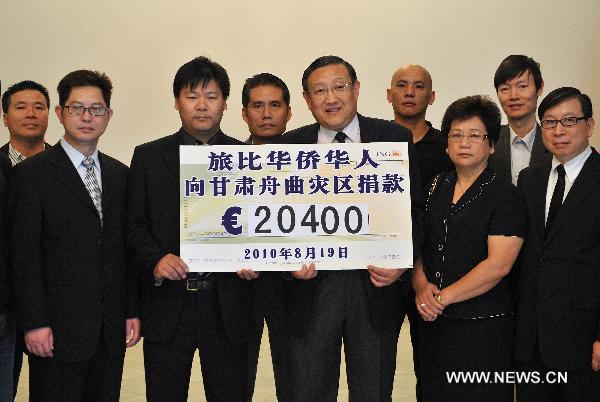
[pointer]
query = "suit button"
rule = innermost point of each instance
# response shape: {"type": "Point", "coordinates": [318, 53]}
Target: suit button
{"type": "Point", "coordinates": [440, 247]}
{"type": "Point", "coordinates": [99, 242]}
{"type": "Point", "coordinates": [437, 274]}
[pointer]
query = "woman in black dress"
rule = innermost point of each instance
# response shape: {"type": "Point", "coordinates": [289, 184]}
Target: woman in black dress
{"type": "Point", "coordinates": [474, 225]}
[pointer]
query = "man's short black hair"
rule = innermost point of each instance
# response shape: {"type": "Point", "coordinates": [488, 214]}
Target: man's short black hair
{"type": "Point", "coordinates": [84, 78]}
{"type": "Point", "coordinates": [22, 86]}
{"type": "Point", "coordinates": [515, 65]}
{"type": "Point", "coordinates": [474, 106]}
{"type": "Point", "coordinates": [263, 79]}
{"type": "Point", "coordinates": [560, 95]}
{"type": "Point", "coordinates": [201, 70]}
{"type": "Point", "coordinates": [326, 61]}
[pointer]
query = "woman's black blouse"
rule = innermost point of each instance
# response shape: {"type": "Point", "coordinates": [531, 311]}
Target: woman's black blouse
{"type": "Point", "coordinates": [456, 237]}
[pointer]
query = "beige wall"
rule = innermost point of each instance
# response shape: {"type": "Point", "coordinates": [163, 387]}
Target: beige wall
{"type": "Point", "coordinates": [140, 45]}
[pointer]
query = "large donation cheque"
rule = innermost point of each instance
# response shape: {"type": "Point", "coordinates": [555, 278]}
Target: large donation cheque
{"type": "Point", "coordinates": [275, 207]}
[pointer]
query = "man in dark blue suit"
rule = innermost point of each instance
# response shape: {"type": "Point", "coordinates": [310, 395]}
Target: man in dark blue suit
{"type": "Point", "coordinates": [74, 295]}
{"type": "Point", "coordinates": [359, 306]}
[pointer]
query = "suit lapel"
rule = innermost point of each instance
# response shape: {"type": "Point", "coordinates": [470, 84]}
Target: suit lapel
{"type": "Point", "coordinates": [538, 191]}
{"type": "Point", "coordinates": [310, 135]}
{"type": "Point", "coordinates": [170, 154]}
{"type": "Point", "coordinates": [502, 153]}
{"type": "Point", "coordinates": [539, 152]}
{"type": "Point", "coordinates": [367, 133]}
{"type": "Point", "coordinates": [67, 175]}
{"type": "Point", "coordinates": [586, 181]}
{"type": "Point", "coordinates": [107, 173]}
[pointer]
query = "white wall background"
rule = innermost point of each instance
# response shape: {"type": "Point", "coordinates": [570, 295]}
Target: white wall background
{"type": "Point", "coordinates": [140, 44]}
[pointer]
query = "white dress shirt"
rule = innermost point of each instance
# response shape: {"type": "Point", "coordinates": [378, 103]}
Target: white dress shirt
{"type": "Point", "coordinates": [77, 158]}
{"type": "Point", "coordinates": [352, 131]}
{"type": "Point", "coordinates": [572, 169]}
{"type": "Point", "coordinates": [520, 152]}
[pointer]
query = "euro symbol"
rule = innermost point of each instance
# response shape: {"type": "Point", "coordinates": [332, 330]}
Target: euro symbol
{"type": "Point", "coordinates": [229, 221]}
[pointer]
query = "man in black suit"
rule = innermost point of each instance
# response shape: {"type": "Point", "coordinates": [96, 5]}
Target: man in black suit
{"type": "Point", "coordinates": [25, 106]}
{"type": "Point", "coordinates": [360, 306]}
{"type": "Point", "coordinates": [183, 312]}
{"type": "Point", "coordinates": [558, 297]}
{"type": "Point", "coordinates": [75, 301]}
{"type": "Point", "coordinates": [519, 84]}
{"type": "Point", "coordinates": [7, 324]}
{"type": "Point", "coordinates": [266, 109]}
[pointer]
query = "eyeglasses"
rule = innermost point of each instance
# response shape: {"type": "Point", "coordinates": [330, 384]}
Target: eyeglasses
{"type": "Point", "coordinates": [474, 137]}
{"type": "Point", "coordinates": [338, 88]}
{"type": "Point", "coordinates": [565, 121]}
{"type": "Point", "coordinates": [80, 109]}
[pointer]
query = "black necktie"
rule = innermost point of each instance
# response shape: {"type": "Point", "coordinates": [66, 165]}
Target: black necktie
{"type": "Point", "coordinates": [557, 196]}
{"type": "Point", "coordinates": [341, 137]}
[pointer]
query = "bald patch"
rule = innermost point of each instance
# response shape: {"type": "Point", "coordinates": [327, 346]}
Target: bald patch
{"type": "Point", "coordinates": [417, 71]}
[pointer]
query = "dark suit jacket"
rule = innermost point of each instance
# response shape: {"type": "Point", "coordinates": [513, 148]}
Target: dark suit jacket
{"type": "Point", "coordinates": [69, 272]}
{"type": "Point", "coordinates": [301, 295]}
{"type": "Point", "coordinates": [500, 159]}
{"type": "Point", "coordinates": [153, 231]}
{"type": "Point", "coordinates": [558, 294]}
{"type": "Point", "coordinates": [5, 167]}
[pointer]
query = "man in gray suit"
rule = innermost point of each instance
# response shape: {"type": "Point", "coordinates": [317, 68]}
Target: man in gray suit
{"type": "Point", "coordinates": [519, 84]}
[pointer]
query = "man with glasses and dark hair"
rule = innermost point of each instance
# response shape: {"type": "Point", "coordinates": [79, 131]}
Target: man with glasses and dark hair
{"type": "Point", "coordinates": [359, 306]}
{"type": "Point", "coordinates": [266, 109]}
{"type": "Point", "coordinates": [182, 311]}
{"type": "Point", "coordinates": [74, 295]}
{"type": "Point", "coordinates": [558, 294]}
{"type": "Point", "coordinates": [25, 106]}
{"type": "Point", "coordinates": [518, 82]}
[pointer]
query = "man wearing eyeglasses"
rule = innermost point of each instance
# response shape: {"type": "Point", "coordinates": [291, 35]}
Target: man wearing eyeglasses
{"type": "Point", "coordinates": [558, 294]}
{"type": "Point", "coordinates": [74, 296]}
{"type": "Point", "coordinates": [359, 306]}
{"type": "Point", "coordinates": [519, 84]}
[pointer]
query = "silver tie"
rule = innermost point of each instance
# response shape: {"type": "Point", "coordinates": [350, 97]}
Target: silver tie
{"type": "Point", "coordinates": [92, 184]}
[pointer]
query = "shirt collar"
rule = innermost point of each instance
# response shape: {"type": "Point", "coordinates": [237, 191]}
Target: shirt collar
{"type": "Point", "coordinates": [574, 166]}
{"type": "Point", "coordinates": [77, 157]}
{"type": "Point", "coordinates": [428, 137]}
{"type": "Point", "coordinates": [527, 140]}
{"type": "Point", "coordinates": [15, 156]}
{"type": "Point", "coordinates": [188, 139]}
{"type": "Point", "coordinates": [352, 130]}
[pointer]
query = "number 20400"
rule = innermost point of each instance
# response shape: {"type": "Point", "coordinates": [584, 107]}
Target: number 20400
{"type": "Point", "coordinates": [308, 220]}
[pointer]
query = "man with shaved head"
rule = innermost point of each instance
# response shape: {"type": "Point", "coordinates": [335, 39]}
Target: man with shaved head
{"type": "Point", "coordinates": [410, 93]}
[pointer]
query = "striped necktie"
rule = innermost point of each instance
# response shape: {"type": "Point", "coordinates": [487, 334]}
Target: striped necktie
{"type": "Point", "coordinates": [91, 184]}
